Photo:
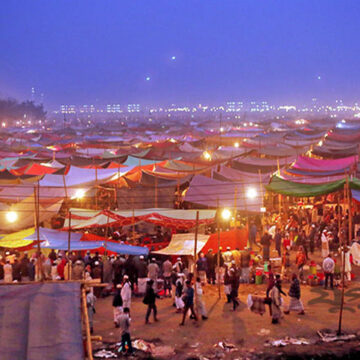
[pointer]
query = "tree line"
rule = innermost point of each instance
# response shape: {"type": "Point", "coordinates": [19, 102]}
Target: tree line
{"type": "Point", "coordinates": [12, 110]}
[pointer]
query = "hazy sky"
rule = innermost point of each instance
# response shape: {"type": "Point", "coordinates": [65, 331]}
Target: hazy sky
{"type": "Point", "coordinates": [103, 51]}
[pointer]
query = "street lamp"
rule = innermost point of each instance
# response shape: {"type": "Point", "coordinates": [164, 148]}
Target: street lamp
{"type": "Point", "coordinates": [226, 214]}
{"type": "Point", "coordinates": [79, 194]}
{"type": "Point", "coordinates": [207, 155]}
{"type": "Point", "coordinates": [11, 216]}
{"type": "Point", "coordinates": [236, 145]}
{"type": "Point", "coordinates": [251, 193]}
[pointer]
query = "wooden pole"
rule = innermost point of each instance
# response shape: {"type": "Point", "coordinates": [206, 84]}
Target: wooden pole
{"type": "Point", "coordinates": [133, 224]}
{"type": "Point", "coordinates": [69, 245]}
{"type": "Point", "coordinates": [218, 250]}
{"type": "Point", "coordinates": [156, 192]}
{"type": "Point", "coordinates": [96, 187]}
{"type": "Point", "coordinates": [343, 246]}
{"type": "Point", "coordinates": [195, 253]}
{"type": "Point", "coordinates": [37, 225]}
{"type": "Point", "coordinates": [106, 234]}
{"type": "Point", "coordinates": [235, 206]}
{"type": "Point", "coordinates": [87, 324]}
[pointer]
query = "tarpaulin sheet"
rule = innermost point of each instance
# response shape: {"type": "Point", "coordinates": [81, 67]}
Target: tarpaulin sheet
{"type": "Point", "coordinates": [289, 188]}
{"type": "Point", "coordinates": [306, 163]}
{"type": "Point", "coordinates": [183, 244]}
{"type": "Point", "coordinates": [214, 193]}
{"type": "Point", "coordinates": [40, 321]}
{"type": "Point", "coordinates": [235, 239]}
{"type": "Point", "coordinates": [295, 189]}
{"type": "Point", "coordinates": [127, 249]}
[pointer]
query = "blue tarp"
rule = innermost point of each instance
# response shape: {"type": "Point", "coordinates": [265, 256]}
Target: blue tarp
{"type": "Point", "coordinates": [40, 321]}
{"type": "Point", "coordinates": [355, 194]}
{"type": "Point", "coordinates": [127, 249]}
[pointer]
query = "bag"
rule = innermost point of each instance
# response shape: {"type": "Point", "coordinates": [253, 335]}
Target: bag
{"type": "Point", "coordinates": [146, 300]}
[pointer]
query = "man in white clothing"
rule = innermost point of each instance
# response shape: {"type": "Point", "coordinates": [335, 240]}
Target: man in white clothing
{"type": "Point", "coordinates": [126, 292]}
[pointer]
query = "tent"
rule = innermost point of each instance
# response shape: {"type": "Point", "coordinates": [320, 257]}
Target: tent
{"type": "Point", "coordinates": [183, 244]}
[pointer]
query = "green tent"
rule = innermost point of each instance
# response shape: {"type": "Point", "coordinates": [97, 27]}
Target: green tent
{"type": "Point", "coordinates": [290, 188]}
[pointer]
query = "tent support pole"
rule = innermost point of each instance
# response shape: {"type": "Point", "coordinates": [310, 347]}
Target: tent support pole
{"type": "Point", "coordinates": [156, 192]}
{"type": "Point", "coordinates": [235, 207]}
{"type": "Point", "coordinates": [69, 246]}
{"type": "Point", "coordinates": [195, 253]}
{"type": "Point", "coordinates": [343, 248]}
{"type": "Point", "coordinates": [218, 250]}
{"type": "Point", "coordinates": [37, 225]}
{"type": "Point", "coordinates": [87, 324]}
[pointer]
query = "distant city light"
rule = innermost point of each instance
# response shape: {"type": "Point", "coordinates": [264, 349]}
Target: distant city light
{"type": "Point", "coordinates": [236, 145]}
{"type": "Point", "coordinates": [173, 58]}
{"type": "Point", "coordinates": [221, 129]}
{"type": "Point", "coordinates": [147, 78]}
{"type": "Point", "coordinates": [319, 77]}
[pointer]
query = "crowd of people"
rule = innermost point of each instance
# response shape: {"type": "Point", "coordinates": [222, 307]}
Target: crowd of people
{"type": "Point", "coordinates": [289, 238]}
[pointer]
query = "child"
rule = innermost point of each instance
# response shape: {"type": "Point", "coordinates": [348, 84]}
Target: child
{"type": "Point", "coordinates": [179, 303]}
{"type": "Point", "coordinates": [90, 302]}
{"type": "Point", "coordinates": [117, 305]}
{"type": "Point", "coordinates": [124, 323]}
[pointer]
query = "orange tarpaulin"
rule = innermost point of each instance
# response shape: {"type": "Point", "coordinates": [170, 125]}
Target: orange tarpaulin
{"type": "Point", "coordinates": [234, 238]}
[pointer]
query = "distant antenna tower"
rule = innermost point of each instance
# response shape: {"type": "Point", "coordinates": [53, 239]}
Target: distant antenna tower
{"type": "Point", "coordinates": [33, 94]}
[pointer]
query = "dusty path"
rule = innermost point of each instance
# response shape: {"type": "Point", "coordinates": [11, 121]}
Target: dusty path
{"type": "Point", "coordinates": [241, 327]}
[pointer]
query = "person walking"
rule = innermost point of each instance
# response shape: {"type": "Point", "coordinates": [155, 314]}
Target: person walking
{"type": "Point", "coordinates": [202, 267]}
{"type": "Point", "coordinates": [167, 271]}
{"type": "Point", "coordinates": [245, 265]}
{"type": "Point", "coordinates": [90, 303]}
{"type": "Point", "coordinates": [301, 261]}
{"type": "Point", "coordinates": [200, 305]}
{"type": "Point", "coordinates": [275, 296]}
{"type": "Point", "coordinates": [126, 292]}
{"type": "Point", "coordinates": [234, 283]}
{"type": "Point", "coordinates": [179, 286]}
{"type": "Point", "coordinates": [189, 302]}
{"type": "Point", "coordinates": [329, 267]}
{"type": "Point", "coordinates": [278, 240]}
{"type": "Point", "coordinates": [149, 300]}
{"type": "Point", "coordinates": [142, 271]}
{"type": "Point", "coordinates": [210, 259]}
{"type": "Point", "coordinates": [265, 242]}
{"type": "Point", "coordinates": [295, 294]}
{"type": "Point", "coordinates": [8, 275]}
{"type": "Point", "coordinates": [124, 324]}
{"type": "Point", "coordinates": [117, 305]}
{"type": "Point", "coordinates": [153, 272]}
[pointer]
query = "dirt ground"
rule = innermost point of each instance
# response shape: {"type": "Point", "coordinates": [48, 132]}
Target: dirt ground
{"type": "Point", "coordinates": [242, 327]}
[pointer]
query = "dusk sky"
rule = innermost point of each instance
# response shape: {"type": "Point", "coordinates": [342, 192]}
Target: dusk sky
{"type": "Point", "coordinates": [180, 51]}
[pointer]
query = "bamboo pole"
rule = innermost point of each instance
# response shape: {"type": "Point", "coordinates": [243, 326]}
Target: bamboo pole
{"type": "Point", "coordinates": [156, 192]}
{"type": "Point", "coordinates": [87, 324]}
{"type": "Point", "coordinates": [96, 187]}
{"type": "Point", "coordinates": [69, 244]}
{"type": "Point", "coordinates": [37, 226]}
{"type": "Point", "coordinates": [195, 253]}
{"type": "Point", "coordinates": [106, 234]}
{"type": "Point", "coordinates": [218, 250]}
{"type": "Point", "coordinates": [343, 247]}
{"type": "Point", "coordinates": [235, 206]}
{"type": "Point", "coordinates": [133, 224]}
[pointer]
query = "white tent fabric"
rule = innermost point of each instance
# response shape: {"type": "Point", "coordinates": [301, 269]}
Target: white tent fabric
{"type": "Point", "coordinates": [183, 244]}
